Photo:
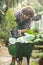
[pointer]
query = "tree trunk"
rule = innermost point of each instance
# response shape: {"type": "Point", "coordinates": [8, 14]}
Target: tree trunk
{"type": "Point", "coordinates": [41, 2]}
{"type": "Point", "coordinates": [9, 3]}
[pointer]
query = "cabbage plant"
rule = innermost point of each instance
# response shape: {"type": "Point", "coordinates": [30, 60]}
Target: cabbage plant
{"type": "Point", "coordinates": [39, 39]}
{"type": "Point", "coordinates": [23, 39]}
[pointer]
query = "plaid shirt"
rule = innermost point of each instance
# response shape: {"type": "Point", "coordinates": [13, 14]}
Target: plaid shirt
{"type": "Point", "coordinates": [25, 24]}
{"type": "Point", "coordinates": [22, 24]}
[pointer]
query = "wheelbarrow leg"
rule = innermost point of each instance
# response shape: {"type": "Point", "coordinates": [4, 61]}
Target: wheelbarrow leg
{"type": "Point", "coordinates": [19, 61]}
{"type": "Point", "coordinates": [13, 61]}
{"type": "Point", "coordinates": [27, 61]}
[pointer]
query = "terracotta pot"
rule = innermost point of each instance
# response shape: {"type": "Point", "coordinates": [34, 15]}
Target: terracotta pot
{"type": "Point", "coordinates": [41, 61]}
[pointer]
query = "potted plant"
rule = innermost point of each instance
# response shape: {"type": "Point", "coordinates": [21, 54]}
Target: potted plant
{"type": "Point", "coordinates": [39, 39]}
{"type": "Point", "coordinates": [4, 36]}
{"type": "Point", "coordinates": [41, 58]}
{"type": "Point", "coordinates": [10, 19]}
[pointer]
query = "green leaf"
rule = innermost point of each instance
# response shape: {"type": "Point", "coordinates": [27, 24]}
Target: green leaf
{"type": "Point", "coordinates": [30, 32]}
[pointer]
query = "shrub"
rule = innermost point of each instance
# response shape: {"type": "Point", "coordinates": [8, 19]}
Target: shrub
{"type": "Point", "coordinates": [4, 36]}
{"type": "Point", "coordinates": [10, 19]}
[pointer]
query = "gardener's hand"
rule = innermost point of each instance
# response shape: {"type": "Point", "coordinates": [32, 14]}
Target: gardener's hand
{"type": "Point", "coordinates": [19, 31]}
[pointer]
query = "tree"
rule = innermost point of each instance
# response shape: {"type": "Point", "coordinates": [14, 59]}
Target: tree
{"type": "Point", "coordinates": [9, 3]}
{"type": "Point", "coordinates": [41, 2]}
{"type": "Point", "coordinates": [10, 19]}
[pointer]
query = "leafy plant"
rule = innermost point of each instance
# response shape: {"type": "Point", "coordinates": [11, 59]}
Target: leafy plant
{"type": "Point", "coordinates": [41, 55]}
{"type": "Point", "coordinates": [34, 63]}
{"type": "Point", "coordinates": [30, 32]}
{"type": "Point", "coordinates": [23, 39]}
{"type": "Point", "coordinates": [10, 19]}
{"type": "Point", "coordinates": [39, 39]}
{"type": "Point", "coordinates": [4, 36]}
{"type": "Point", "coordinates": [36, 28]}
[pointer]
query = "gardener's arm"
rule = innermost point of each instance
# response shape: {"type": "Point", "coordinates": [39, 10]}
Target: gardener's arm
{"type": "Point", "coordinates": [22, 31]}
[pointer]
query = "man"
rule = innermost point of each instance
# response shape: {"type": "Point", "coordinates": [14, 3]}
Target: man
{"type": "Point", "coordinates": [24, 19]}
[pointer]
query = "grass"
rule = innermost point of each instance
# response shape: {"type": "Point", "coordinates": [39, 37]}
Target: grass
{"type": "Point", "coordinates": [34, 63]}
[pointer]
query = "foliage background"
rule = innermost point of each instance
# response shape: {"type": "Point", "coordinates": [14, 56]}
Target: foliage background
{"type": "Point", "coordinates": [7, 18]}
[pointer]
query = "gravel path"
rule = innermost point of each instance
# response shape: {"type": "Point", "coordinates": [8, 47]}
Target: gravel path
{"type": "Point", "coordinates": [5, 57]}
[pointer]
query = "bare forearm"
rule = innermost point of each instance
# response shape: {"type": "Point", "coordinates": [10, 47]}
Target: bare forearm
{"type": "Point", "coordinates": [22, 31]}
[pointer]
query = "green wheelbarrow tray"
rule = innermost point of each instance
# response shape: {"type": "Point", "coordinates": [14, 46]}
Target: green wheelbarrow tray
{"type": "Point", "coordinates": [21, 49]}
